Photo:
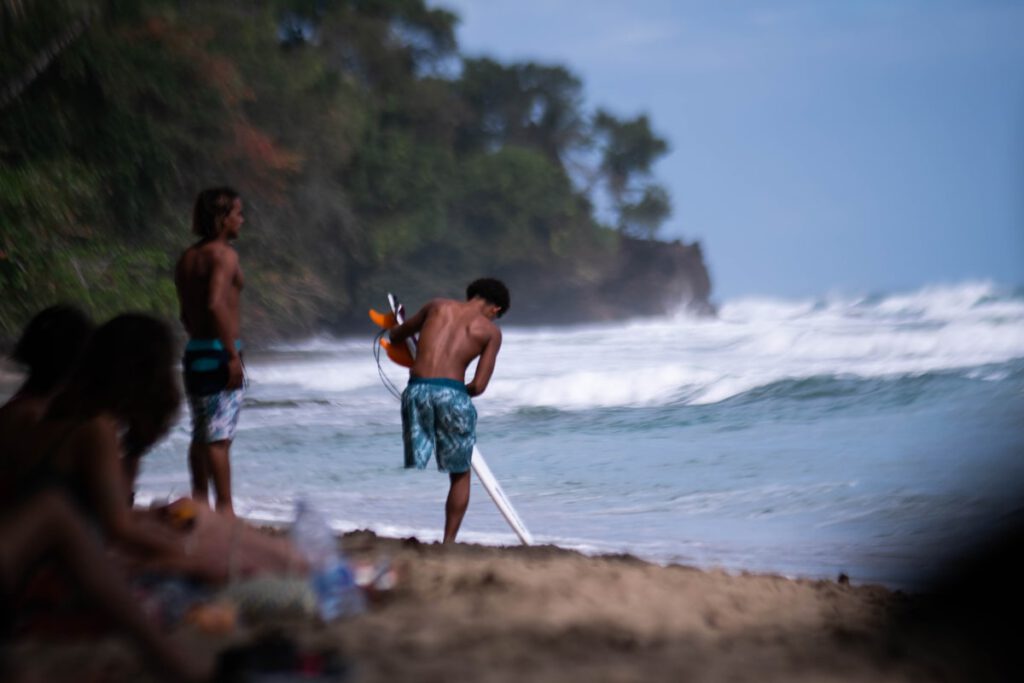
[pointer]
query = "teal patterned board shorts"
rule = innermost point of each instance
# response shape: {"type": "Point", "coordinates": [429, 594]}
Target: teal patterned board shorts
{"type": "Point", "coordinates": [439, 419]}
{"type": "Point", "coordinates": [215, 416]}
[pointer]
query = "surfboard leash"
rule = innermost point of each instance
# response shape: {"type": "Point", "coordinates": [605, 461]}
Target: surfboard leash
{"type": "Point", "coordinates": [385, 380]}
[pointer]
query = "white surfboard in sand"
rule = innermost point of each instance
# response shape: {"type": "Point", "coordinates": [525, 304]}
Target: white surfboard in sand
{"type": "Point", "coordinates": [480, 468]}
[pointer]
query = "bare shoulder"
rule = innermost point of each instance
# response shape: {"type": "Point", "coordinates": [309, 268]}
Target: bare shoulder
{"type": "Point", "coordinates": [484, 327]}
{"type": "Point", "coordinates": [437, 305]}
{"type": "Point", "coordinates": [21, 413]}
{"type": "Point", "coordinates": [222, 254]}
{"type": "Point", "coordinates": [209, 251]}
{"type": "Point", "coordinates": [204, 260]}
{"type": "Point", "coordinates": [440, 302]}
{"type": "Point", "coordinates": [97, 435]}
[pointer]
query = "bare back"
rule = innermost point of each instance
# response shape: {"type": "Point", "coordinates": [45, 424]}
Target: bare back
{"type": "Point", "coordinates": [18, 418]}
{"type": "Point", "coordinates": [452, 334]}
{"type": "Point", "coordinates": [209, 283]}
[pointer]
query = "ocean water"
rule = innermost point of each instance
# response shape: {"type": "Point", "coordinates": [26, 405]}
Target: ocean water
{"type": "Point", "coordinates": [875, 436]}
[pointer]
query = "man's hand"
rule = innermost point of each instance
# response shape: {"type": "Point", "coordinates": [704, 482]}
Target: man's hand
{"type": "Point", "coordinates": [235, 374]}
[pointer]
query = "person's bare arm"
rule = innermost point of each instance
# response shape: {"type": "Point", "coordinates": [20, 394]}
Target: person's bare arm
{"type": "Point", "coordinates": [100, 452]}
{"type": "Point", "coordinates": [224, 268]}
{"type": "Point", "coordinates": [485, 366]}
{"type": "Point", "coordinates": [399, 333]}
{"type": "Point", "coordinates": [179, 287]}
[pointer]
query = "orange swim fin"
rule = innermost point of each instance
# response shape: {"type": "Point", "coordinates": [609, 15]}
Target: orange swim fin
{"type": "Point", "coordinates": [398, 353]}
{"type": "Point", "coordinates": [384, 320]}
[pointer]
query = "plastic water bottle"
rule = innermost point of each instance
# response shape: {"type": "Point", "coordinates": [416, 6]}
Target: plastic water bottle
{"type": "Point", "coordinates": [313, 536]}
{"type": "Point", "coordinates": [331, 578]}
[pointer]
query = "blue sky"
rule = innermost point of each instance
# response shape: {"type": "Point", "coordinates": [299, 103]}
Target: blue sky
{"type": "Point", "coordinates": [817, 147]}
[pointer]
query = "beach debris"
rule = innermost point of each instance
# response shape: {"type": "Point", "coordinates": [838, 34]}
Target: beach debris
{"type": "Point", "coordinates": [268, 598]}
{"type": "Point", "coordinates": [377, 580]}
{"type": "Point", "coordinates": [181, 514]}
{"type": "Point", "coordinates": [167, 599]}
{"type": "Point", "coordinates": [331, 577]}
{"type": "Point", "coordinates": [216, 618]}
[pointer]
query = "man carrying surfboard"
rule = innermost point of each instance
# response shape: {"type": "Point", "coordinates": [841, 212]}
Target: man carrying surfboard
{"type": "Point", "coordinates": [438, 417]}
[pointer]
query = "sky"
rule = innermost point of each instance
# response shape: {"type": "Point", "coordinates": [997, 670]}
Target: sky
{"type": "Point", "coordinates": [817, 148]}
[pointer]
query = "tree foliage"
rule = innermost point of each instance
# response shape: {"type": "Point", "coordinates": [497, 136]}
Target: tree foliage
{"type": "Point", "coordinates": [629, 149]}
{"type": "Point", "coordinates": [370, 156]}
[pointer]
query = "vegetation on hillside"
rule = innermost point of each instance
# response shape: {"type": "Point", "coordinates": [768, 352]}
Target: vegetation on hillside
{"type": "Point", "coordinates": [371, 155]}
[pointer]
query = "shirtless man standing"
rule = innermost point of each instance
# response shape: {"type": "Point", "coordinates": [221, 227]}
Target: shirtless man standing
{"type": "Point", "coordinates": [438, 417]}
{"type": "Point", "coordinates": [209, 282]}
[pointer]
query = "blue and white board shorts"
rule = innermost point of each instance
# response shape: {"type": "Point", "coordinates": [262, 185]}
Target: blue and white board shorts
{"type": "Point", "coordinates": [215, 409]}
{"type": "Point", "coordinates": [439, 419]}
{"type": "Point", "coordinates": [215, 416]}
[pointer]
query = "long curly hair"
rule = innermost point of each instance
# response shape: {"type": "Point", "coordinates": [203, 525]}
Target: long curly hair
{"type": "Point", "coordinates": [128, 370]}
{"type": "Point", "coordinates": [211, 207]}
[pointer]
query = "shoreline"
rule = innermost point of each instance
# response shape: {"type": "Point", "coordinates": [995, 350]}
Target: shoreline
{"type": "Point", "coordinates": [507, 540]}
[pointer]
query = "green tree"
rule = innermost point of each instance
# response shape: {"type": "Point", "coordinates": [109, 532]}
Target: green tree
{"type": "Point", "coordinates": [528, 105]}
{"type": "Point", "coordinates": [628, 149]}
{"type": "Point", "coordinates": [369, 153]}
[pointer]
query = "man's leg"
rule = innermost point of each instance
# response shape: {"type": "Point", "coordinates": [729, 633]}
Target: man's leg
{"type": "Point", "coordinates": [216, 419]}
{"type": "Point", "coordinates": [200, 471]}
{"type": "Point", "coordinates": [455, 506]}
{"type": "Point", "coordinates": [219, 463]}
{"type": "Point", "coordinates": [198, 459]}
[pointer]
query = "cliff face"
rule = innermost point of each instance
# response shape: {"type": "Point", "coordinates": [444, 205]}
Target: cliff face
{"type": "Point", "coordinates": [643, 278]}
{"type": "Point", "coordinates": [655, 278]}
{"type": "Point", "coordinates": [636, 279]}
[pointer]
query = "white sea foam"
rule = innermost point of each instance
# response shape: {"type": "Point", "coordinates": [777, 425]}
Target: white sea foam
{"type": "Point", "coordinates": [321, 374]}
{"type": "Point", "coordinates": [752, 343]}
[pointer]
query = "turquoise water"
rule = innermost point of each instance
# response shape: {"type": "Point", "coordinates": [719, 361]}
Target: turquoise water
{"type": "Point", "coordinates": [873, 436]}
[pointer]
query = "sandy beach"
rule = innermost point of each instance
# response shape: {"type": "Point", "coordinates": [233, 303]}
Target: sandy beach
{"type": "Point", "coordinates": [474, 613]}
